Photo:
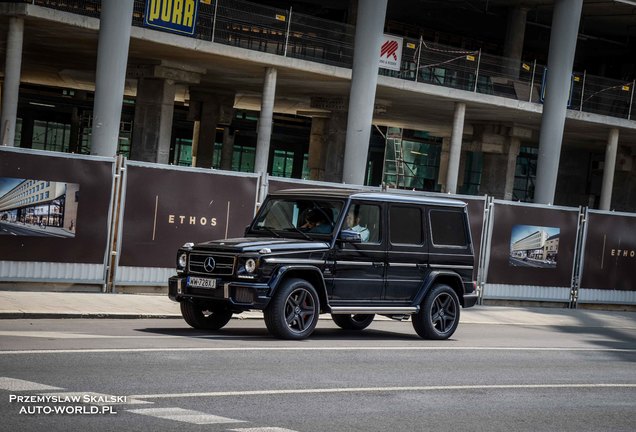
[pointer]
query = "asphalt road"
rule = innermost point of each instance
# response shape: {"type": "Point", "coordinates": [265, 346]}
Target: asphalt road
{"type": "Point", "coordinates": [487, 378]}
{"type": "Point", "coordinates": [31, 230]}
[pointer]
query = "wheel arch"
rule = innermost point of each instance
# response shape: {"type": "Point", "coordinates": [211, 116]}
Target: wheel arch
{"type": "Point", "coordinates": [449, 278]}
{"type": "Point", "coordinates": [311, 274]}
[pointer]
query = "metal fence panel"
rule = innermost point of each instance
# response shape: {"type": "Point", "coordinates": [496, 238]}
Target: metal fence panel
{"type": "Point", "coordinates": [531, 253]}
{"type": "Point", "coordinates": [251, 26]}
{"type": "Point", "coordinates": [321, 41]}
{"type": "Point", "coordinates": [165, 206]}
{"type": "Point", "coordinates": [55, 215]}
{"type": "Point", "coordinates": [608, 258]}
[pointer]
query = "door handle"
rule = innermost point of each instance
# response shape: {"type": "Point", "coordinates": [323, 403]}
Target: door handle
{"type": "Point", "coordinates": [378, 264]}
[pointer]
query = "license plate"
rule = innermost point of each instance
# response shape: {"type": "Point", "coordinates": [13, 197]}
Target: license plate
{"type": "Point", "coordinates": [201, 282]}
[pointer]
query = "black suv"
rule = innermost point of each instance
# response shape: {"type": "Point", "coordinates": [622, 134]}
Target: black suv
{"type": "Point", "coordinates": [348, 253]}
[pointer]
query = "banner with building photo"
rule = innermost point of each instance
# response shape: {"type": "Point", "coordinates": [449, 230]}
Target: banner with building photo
{"type": "Point", "coordinates": [610, 252]}
{"type": "Point", "coordinates": [54, 208]}
{"type": "Point", "coordinates": [532, 245]}
{"type": "Point", "coordinates": [166, 207]}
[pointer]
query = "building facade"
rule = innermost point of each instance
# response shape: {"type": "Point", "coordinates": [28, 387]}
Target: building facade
{"type": "Point", "coordinates": [529, 101]}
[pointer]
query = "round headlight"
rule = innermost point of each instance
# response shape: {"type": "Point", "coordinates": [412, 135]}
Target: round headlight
{"type": "Point", "coordinates": [183, 260]}
{"type": "Point", "coordinates": [250, 265]}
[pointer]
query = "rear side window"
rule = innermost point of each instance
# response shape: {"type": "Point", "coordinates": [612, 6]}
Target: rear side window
{"type": "Point", "coordinates": [406, 225]}
{"type": "Point", "coordinates": [447, 228]}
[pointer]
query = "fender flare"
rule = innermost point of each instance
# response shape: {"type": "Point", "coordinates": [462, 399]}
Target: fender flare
{"type": "Point", "coordinates": [429, 281]}
{"type": "Point", "coordinates": [279, 275]}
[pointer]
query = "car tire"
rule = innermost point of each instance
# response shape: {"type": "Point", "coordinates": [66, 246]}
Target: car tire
{"type": "Point", "coordinates": [353, 322]}
{"type": "Point", "coordinates": [203, 317]}
{"type": "Point", "coordinates": [438, 317]}
{"type": "Point", "coordinates": [293, 311]}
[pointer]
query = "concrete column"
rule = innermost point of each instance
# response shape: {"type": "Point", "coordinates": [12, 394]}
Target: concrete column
{"type": "Point", "coordinates": [208, 111]}
{"type": "Point", "coordinates": [154, 108]}
{"type": "Point", "coordinates": [511, 168]}
{"type": "Point", "coordinates": [207, 133]}
{"type": "Point", "coordinates": [443, 163]}
{"type": "Point", "coordinates": [112, 57]}
{"type": "Point", "coordinates": [364, 79]}
{"type": "Point", "coordinates": [455, 151]}
{"type": "Point", "coordinates": [608, 169]}
{"type": "Point", "coordinates": [265, 121]}
{"type": "Point", "coordinates": [565, 26]}
{"type": "Point", "coordinates": [11, 85]}
{"type": "Point", "coordinates": [227, 152]}
{"type": "Point", "coordinates": [196, 128]}
{"type": "Point", "coordinates": [335, 147]}
{"type": "Point", "coordinates": [316, 159]}
{"type": "Point", "coordinates": [515, 34]}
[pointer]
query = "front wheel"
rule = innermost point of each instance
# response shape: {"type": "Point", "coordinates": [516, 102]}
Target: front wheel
{"type": "Point", "coordinates": [353, 322]}
{"type": "Point", "coordinates": [438, 317]}
{"type": "Point", "coordinates": [293, 311]}
{"type": "Point", "coordinates": [203, 317]}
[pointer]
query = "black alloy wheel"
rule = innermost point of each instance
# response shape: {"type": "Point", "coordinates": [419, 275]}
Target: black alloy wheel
{"type": "Point", "coordinates": [353, 322]}
{"type": "Point", "coordinates": [438, 317]}
{"type": "Point", "coordinates": [293, 311]}
{"type": "Point", "coordinates": [204, 317]}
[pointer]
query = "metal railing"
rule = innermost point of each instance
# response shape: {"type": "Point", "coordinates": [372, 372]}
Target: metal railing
{"type": "Point", "coordinates": [284, 32]}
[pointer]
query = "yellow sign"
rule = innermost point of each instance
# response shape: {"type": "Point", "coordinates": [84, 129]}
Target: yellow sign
{"type": "Point", "coordinates": [280, 17]}
{"type": "Point", "coordinates": [410, 45]}
{"type": "Point", "coordinates": [470, 57]}
{"type": "Point", "coordinates": [208, 2]}
{"type": "Point", "coordinates": [625, 88]}
{"type": "Point", "coordinates": [176, 16]}
{"type": "Point", "coordinates": [525, 66]}
{"type": "Point", "coordinates": [577, 78]}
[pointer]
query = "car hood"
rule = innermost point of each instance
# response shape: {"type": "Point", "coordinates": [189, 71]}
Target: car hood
{"type": "Point", "coordinates": [255, 244]}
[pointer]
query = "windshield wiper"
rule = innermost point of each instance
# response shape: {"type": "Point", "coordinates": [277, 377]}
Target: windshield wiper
{"type": "Point", "coordinates": [308, 237]}
{"type": "Point", "coordinates": [270, 230]}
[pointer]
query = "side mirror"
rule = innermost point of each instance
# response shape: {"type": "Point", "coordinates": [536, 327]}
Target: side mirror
{"type": "Point", "coordinates": [348, 236]}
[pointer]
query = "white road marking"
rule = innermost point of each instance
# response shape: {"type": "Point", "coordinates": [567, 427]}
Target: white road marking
{"type": "Point", "coordinates": [67, 335]}
{"type": "Point", "coordinates": [262, 429]}
{"type": "Point", "coordinates": [97, 398]}
{"type": "Point", "coordinates": [13, 384]}
{"type": "Point", "coordinates": [305, 348]}
{"type": "Point", "coordinates": [184, 415]}
{"type": "Point", "coordinates": [383, 390]}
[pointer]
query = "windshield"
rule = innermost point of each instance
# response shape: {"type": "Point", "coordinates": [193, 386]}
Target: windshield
{"type": "Point", "coordinates": [308, 218]}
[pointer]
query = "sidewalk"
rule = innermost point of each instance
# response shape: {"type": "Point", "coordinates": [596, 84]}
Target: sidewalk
{"type": "Point", "coordinates": [33, 305]}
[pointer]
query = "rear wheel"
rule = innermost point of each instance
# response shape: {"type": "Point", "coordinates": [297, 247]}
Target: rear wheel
{"type": "Point", "coordinates": [353, 322]}
{"type": "Point", "coordinates": [438, 317]}
{"type": "Point", "coordinates": [204, 317]}
{"type": "Point", "coordinates": [293, 311]}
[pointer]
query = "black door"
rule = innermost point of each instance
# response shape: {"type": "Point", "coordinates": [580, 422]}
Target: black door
{"type": "Point", "coordinates": [407, 257]}
{"type": "Point", "coordinates": [359, 268]}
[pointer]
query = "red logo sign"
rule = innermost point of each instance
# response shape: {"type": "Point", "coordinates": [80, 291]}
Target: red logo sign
{"type": "Point", "coordinates": [389, 48]}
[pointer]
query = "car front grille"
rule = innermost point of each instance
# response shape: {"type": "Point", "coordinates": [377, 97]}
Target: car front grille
{"type": "Point", "coordinates": [223, 265]}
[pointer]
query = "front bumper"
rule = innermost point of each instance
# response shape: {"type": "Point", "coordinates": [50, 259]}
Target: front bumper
{"type": "Point", "coordinates": [239, 295]}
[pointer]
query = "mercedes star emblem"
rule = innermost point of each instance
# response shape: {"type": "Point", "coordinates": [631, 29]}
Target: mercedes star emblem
{"type": "Point", "coordinates": [209, 264]}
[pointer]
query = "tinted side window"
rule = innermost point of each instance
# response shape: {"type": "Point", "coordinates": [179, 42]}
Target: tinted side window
{"type": "Point", "coordinates": [406, 225]}
{"type": "Point", "coordinates": [447, 228]}
{"type": "Point", "coordinates": [365, 220]}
